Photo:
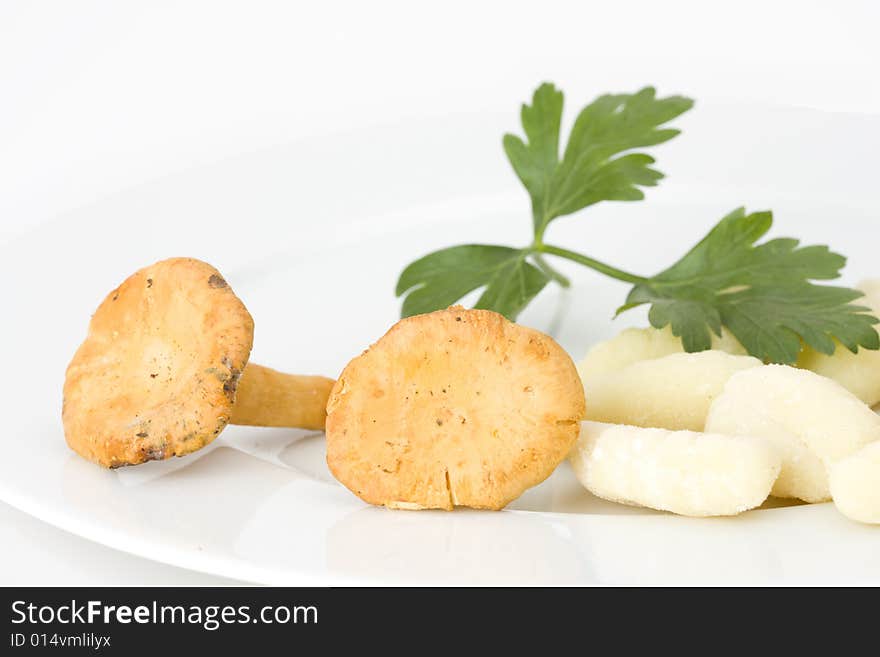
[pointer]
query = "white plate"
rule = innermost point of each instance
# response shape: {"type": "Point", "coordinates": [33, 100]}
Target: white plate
{"type": "Point", "coordinates": [312, 236]}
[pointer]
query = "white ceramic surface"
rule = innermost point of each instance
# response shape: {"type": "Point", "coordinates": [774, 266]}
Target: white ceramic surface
{"type": "Point", "coordinates": [312, 235]}
{"type": "Point", "coordinates": [38, 554]}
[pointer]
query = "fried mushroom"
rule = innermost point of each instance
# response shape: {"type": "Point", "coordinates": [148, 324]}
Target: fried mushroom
{"type": "Point", "coordinates": [163, 369]}
{"type": "Point", "coordinates": [453, 408]}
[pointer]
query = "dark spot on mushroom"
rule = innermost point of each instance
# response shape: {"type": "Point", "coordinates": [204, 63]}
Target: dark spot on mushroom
{"type": "Point", "coordinates": [149, 282]}
{"type": "Point", "coordinates": [216, 281]}
{"type": "Point", "coordinates": [439, 422]}
{"type": "Point", "coordinates": [155, 454]}
{"type": "Point", "coordinates": [392, 470]}
{"type": "Point", "coordinates": [220, 375]}
{"type": "Point", "coordinates": [153, 376]}
{"type": "Point", "coordinates": [142, 434]}
{"type": "Point", "coordinates": [464, 420]}
{"type": "Point", "coordinates": [231, 384]}
{"type": "Point", "coordinates": [115, 297]}
{"type": "Point", "coordinates": [458, 319]}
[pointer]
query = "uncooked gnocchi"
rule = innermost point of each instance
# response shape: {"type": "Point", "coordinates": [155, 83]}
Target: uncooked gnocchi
{"type": "Point", "coordinates": [855, 484]}
{"type": "Point", "coordinates": [687, 473]}
{"type": "Point", "coordinates": [673, 392]}
{"type": "Point", "coordinates": [860, 372]}
{"type": "Point", "coordinates": [813, 421]}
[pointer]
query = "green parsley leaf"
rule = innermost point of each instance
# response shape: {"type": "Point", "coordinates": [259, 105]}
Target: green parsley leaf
{"type": "Point", "coordinates": [441, 278]}
{"type": "Point", "coordinates": [536, 162]}
{"type": "Point", "coordinates": [596, 165]}
{"type": "Point", "coordinates": [762, 293]}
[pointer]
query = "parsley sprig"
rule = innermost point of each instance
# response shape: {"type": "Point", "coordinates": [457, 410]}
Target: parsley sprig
{"type": "Point", "coordinates": [763, 294]}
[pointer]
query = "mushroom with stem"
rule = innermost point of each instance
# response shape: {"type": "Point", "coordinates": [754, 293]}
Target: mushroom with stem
{"type": "Point", "coordinates": [164, 368]}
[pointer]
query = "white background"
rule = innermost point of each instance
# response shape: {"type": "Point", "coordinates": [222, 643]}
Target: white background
{"type": "Point", "coordinates": [99, 96]}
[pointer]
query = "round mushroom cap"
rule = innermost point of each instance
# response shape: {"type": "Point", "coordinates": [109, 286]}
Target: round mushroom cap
{"type": "Point", "coordinates": [157, 374]}
{"type": "Point", "coordinates": [453, 408]}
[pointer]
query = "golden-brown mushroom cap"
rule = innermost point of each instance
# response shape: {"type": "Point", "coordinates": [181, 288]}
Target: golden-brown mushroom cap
{"type": "Point", "coordinates": [453, 408]}
{"type": "Point", "coordinates": [157, 374]}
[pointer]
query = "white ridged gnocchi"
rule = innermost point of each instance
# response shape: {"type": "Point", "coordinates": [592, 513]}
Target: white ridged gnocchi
{"type": "Point", "coordinates": [855, 484]}
{"type": "Point", "coordinates": [860, 372]}
{"type": "Point", "coordinates": [813, 421]}
{"type": "Point", "coordinates": [688, 473]}
{"type": "Point", "coordinates": [635, 344]}
{"type": "Point", "coordinates": [673, 392]}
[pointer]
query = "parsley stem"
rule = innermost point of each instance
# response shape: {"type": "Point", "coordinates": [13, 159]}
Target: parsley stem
{"type": "Point", "coordinates": [550, 271]}
{"type": "Point", "coordinates": [587, 261]}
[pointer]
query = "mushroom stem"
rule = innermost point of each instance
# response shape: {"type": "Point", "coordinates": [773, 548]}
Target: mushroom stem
{"type": "Point", "coordinates": [268, 398]}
